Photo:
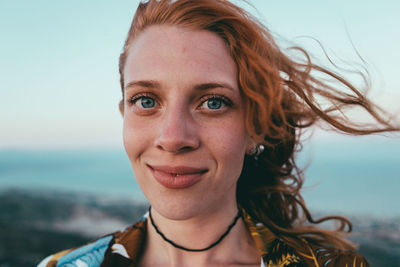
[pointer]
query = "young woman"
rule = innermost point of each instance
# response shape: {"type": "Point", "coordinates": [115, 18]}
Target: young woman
{"type": "Point", "coordinates": [213, 111]}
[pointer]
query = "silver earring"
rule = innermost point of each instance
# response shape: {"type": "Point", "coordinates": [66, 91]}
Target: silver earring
{"type": "Point", "coordinates": [257, 151]}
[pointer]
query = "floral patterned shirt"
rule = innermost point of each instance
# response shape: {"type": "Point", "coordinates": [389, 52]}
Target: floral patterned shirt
{"type": "Point", "coordinates": [123, 249]}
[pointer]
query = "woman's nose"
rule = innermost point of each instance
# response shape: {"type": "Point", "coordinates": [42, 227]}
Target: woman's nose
{"type": "Point", "coordinates": [177, 132]}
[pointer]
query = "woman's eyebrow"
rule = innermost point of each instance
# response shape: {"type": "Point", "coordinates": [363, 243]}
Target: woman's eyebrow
{"type": "Point", "coordinates": [206, 86]}
{"type": "Point", "coordinates": [200, 87]}
{"type": "Point", "coordinates": [143, 83]}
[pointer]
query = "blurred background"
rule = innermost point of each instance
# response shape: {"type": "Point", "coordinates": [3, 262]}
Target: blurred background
{"type": "Point", "coordinates": [64, 177]}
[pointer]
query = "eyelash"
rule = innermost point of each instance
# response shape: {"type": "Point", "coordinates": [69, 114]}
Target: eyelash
{"type": "Point", "coordinates": [135, 98]}
{"type": "Point", "coordinates": [226, 101]}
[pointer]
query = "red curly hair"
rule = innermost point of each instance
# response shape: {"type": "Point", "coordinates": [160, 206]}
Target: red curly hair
{"type": "Point", "coordinates": [282, 96]}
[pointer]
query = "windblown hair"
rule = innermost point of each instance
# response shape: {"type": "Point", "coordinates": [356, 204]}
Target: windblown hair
{"type": "Point", "coordinates": [282, 97]}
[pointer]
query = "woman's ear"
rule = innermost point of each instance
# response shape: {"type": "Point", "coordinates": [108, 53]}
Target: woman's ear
{"type": "Point", "coordinates": [121, 107]}
{"type": "Point", "coordinates": [251, 145]}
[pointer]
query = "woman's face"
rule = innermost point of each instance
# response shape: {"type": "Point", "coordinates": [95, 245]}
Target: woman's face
{"type": "Point", "coordinates": [184, 128]}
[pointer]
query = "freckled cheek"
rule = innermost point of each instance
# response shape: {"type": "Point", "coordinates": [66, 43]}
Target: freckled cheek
{"type": "Point", "coordinates": [228, 154]}
{"type": "Point", "coordinates": [229, 148]}
{"type": "Point", "coordinates": [227, 142]}
{"type": "Point", "coordinates": [136, 138]}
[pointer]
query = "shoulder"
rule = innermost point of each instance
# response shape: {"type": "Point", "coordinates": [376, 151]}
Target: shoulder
{"type": "Point", "coordinates": [119, 247]}
{"type": "Point", "coordinates": [284, 251]}
{"type": "Point", "coordinates": [91, 254]}
{"type": "Point", "coordinates": [332, 257]}
{"type": "Point", "coordinates": [322, 256]}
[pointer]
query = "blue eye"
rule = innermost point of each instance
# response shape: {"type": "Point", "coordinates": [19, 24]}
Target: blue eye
{"type": "Point", "coordinates": [147, 102]}
{"type": "Point", "coordinates": [214, 103]}
{"type": "Point", "coordinates": [143, 101]}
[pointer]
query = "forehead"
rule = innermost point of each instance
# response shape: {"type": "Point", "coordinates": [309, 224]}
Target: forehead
{"type": "Point", "coordinates": [165, 50]}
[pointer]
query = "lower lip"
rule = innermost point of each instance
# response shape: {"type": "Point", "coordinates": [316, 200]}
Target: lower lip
{"type": "Point", "coordinates": [176, 182]}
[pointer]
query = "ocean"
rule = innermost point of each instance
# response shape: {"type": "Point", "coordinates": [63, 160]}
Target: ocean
{"type": "Point", "coordinates": [344, 176]}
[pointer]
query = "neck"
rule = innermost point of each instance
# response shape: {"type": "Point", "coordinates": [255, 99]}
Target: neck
{"type": "Point", "coordinates": [166, 239]}
{"type": "Point", "coordinates": [198, 233]}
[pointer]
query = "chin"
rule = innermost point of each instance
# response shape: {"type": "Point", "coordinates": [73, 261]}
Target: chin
{"type": "Point", "coordinates": [179, 209]}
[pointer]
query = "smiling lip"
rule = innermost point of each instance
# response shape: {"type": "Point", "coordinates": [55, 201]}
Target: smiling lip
{"type": "Point", "coordinates": [177, 177]}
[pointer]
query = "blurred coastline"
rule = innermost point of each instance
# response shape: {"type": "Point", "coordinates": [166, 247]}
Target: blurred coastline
{"type": "Point", "coordinates": [34, 225]}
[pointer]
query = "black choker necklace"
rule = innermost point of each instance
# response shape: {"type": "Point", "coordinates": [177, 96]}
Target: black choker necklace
{"type": "Point", "coordinates": [195, 250]}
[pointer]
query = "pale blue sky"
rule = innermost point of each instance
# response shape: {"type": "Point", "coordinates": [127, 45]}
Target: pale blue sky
{"type": "Point", "coordinates": [59, 83]}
